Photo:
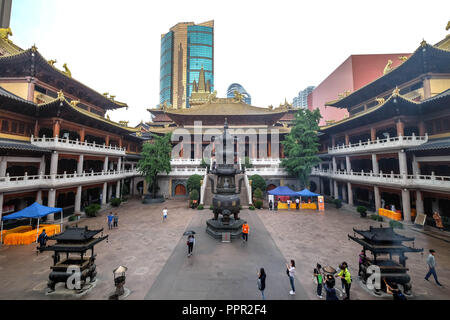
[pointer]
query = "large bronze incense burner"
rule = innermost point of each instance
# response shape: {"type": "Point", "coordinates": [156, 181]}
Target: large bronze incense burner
{"type": "Point", "coordinates": [383, 244]}
{"type": "Point", "coordinates": [77, 268]}
{"type": "Point", "coordinates": [226, 196]}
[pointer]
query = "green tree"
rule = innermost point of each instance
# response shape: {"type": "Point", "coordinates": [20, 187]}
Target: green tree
{"type": "Point", "coordinates": [301, 145]}
{"type": "Point", "coordinates": [258, 194]}
{"type": "Point", "coordinates": [258, 182]}
{"type": "Point", "coordinates": [194, 182]}
{"type": "Point", "coordinates": [155, 159]}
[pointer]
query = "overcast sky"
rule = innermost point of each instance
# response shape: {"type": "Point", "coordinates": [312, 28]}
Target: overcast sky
{"type": "Point", "coordinates": [273, 48]}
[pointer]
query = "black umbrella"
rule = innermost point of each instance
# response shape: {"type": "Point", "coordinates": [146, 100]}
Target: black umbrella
{"type": "Point", "coordinates": [188, 233]}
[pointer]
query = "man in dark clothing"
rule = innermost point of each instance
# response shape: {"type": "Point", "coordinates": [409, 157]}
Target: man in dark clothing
{"type": "Point", "coordinates": [42, 240]}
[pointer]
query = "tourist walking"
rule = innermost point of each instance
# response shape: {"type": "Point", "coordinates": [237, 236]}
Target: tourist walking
{"type": "Point", "coordinates": [329, 288]}
{"type": "Point", "coordinates": [165, 214]}
{"type": "Point", "coordinates": [297, 204]}
{"type": "Point", "coordinates": [270, 205]}
{"type": "Point", "coordinates": [319, 278]}
{"type": "Point", "coordinates": [438, 221]}
{"type": "Point", "coordinates": [116, 220]}
{"type": "Point", "coordinates": [42, 240]}
{"type": "Point", "coordinates": [291, 274]}
{"type": "Point", "coordinates": [393, 289]}
{"type": "Point", "coordinates": [289, 204]}
{"type": "Point", "coordinates": [276, 205]}
{"type": "Point", "coordinates": [262, 282]}
{"type": "Point", "coordinates": [110, 220]}
{"type": "Point", "coordinates": [431, 261]}
{"type": "Point", "coordinates": [245, 230]}
{"type": "Point", "coordinates": [190, 244]}
{"type": "Point", "coordinates": [345, 276]}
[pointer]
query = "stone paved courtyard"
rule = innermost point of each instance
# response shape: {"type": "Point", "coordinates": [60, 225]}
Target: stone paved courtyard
{"type": "Point", "coordinates": [155, 253]}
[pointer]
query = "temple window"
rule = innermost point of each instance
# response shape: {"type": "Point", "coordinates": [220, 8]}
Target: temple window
{"type": "Point", "coordinates": [5, 125]}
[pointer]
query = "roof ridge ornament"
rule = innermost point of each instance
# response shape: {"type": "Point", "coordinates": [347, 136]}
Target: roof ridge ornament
{"type": "Point", "coordinates": [34, 48]}
{"type": "Point", "coordinates": [380, 101]}
{"type": "Point", "coordinates": [423, 43]}
{"type": "Point", "coordinates": [74, 103]}
{"type": "Point", "coordinates": [448, 26]}
{"type": "Point", "coordinates": [238, 97]}
{"type": "Point", "coordinates": [396, 92]}
{"type": "Point", "coordinates": [403, 58]}
{"type": "Point", "coordinates": [67, 71]}
{"type": "Point", "coordinates": [5, 33]}
{"type": "Point", "coordinates": [61, 95]}
{"type": "Point", "coordinates": [52, 62]}
{"type": "Point", "coordinates": [388, 67]}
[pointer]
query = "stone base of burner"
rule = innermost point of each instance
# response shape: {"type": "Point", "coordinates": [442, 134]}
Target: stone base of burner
{"type": "Point", "coordinates": [216, 228]}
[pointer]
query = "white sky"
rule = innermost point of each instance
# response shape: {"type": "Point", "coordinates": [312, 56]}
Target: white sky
{"type": "Point", "coordinates": [273, 48]}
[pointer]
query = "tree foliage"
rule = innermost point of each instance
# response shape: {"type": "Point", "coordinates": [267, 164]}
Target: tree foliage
{"type": "Point", "coordinates": [258, 194]}
{"type": "Point", "coordinates": [155, 159]}
{"type": "Point", "coordinates": [194, 182]}
{"type": "Point", "coordinates": [301, 145]}
{"type": "Point", "coordinates": [258, 182]}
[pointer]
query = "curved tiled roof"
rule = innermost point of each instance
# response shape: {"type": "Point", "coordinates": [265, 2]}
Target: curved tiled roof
{"type": "Point", "coordinates": [26, 55]}
{"type": "Point", "coordinates": [224, 109]}
{"type": "Point", "coordinates": [7, 144]}
{"type": "Point", "coordinates": [437, 144]}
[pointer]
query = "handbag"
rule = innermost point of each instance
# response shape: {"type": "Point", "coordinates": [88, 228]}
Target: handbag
{"type": "Point", "coordinates": [259, 284]}
{"type": "Point", "coordinates": [287, 272]}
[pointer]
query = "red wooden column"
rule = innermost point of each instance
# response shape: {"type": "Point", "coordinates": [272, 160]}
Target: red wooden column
{"type": "Point", "coordinates": [36, 128]}
{"type": "Point", "coordinates": [400, 128]}
{"type": "Point", "coordinates": [107, 140]}
{"type": "Point", "coordinates": [56, 128]}
{"type": "Point", "coordinates": [422, 129]}
{"type": "Point", "coordinates": [82, 134]}
{"type": "Point", "coordinates": [373, 134]}
{"type": "Point", "coordinates": [347, 139]}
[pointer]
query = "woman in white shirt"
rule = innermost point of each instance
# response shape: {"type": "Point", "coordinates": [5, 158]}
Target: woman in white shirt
{"type": "Point", "coordinates": [291, 273]}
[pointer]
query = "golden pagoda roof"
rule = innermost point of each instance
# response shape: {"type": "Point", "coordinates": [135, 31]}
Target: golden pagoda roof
{"type": "Point", "coordinates": [224, 107]}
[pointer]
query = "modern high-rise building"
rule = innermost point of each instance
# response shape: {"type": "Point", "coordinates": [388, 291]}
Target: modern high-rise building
{"type": "Point", "coordinates": [185, 50]}
{"type": "Point", "coordinates": [301, 101]}
{"type": "Point", "coordinates": [237, 87]}
{"type": "Point", "coordinates": [5, 13]}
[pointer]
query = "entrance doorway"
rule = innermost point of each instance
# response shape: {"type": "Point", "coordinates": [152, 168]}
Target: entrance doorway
{"type": "Point", "coordinates": [180, 190]}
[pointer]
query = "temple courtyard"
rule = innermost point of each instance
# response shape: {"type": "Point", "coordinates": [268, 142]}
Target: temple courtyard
{"type": "Point", "coordinates": [155, 253]}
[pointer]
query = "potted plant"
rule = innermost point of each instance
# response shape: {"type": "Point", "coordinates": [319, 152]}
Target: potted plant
{"type": "Point", "coordinates": [92, 209]}
{"type": "Point", "coordinates": [116, 202]}
{"type": "Point", "coordinates": [362, 211]}
{"type": "Point", "coordinates": [338, 203]}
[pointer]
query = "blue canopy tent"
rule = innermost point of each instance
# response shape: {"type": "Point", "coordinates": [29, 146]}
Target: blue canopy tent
{"type": "Point", "coordinates": [35, 211]}
{"type": "Point", "coordinates": [307, 193]}
{"type": "Point", "coordinates": [283, 191]}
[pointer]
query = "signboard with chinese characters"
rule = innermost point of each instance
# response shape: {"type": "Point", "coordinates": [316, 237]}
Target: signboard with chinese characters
{"type": "Point", "coordinates": [321, 202]}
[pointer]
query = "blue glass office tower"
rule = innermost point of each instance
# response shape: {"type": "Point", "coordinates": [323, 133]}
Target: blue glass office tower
{"type": "Point", "coordinates": [184, 51]}
{"type": "Point", "coordinates": [237, 87]}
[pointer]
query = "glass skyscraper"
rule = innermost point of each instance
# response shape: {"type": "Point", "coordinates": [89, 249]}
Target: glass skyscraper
{"type": "Point", "coordinates": [185, 49]}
